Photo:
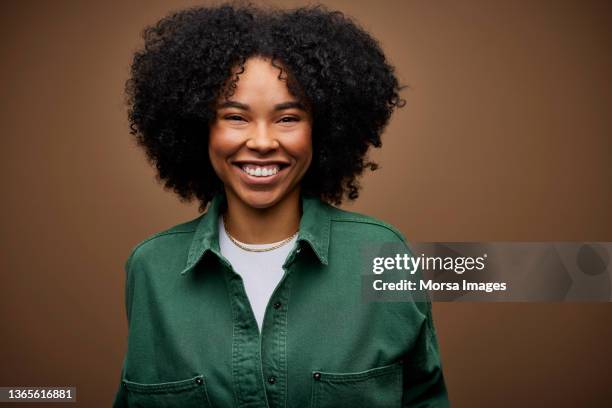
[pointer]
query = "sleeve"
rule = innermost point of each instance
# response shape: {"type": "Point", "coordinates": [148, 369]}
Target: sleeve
{"type": "Point", "coordinates": [120, 400]}
{"type": "Point", "coordinates": [423, 379]}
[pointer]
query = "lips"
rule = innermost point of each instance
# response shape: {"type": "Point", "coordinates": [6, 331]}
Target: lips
{"type": "Point", "coordinates": [261, 169]}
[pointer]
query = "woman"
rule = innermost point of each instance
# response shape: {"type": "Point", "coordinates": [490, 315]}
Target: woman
{"type": "Point", "coordinates": [266, 117]}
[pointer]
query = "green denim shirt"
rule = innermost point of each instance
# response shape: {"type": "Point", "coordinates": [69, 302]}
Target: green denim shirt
{"type": "Point", "coordinates": [193, 340]}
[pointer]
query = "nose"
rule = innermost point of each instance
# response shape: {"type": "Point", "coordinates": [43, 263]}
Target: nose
{"type": "Point", "coordinates": [262, 139]}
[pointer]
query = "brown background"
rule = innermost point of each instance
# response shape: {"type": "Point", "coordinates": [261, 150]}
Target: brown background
{"type": "Point", "coordinates": [506, 136]}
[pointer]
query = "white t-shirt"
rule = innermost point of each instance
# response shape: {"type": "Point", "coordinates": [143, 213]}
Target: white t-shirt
{"type": "Point", "coordinates": [260, 271]}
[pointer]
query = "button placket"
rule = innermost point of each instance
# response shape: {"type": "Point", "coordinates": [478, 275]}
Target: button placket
{"type": "Point", "coordinates": [274, 338]}
{"type": "Point", "coordinates": [246, 358]}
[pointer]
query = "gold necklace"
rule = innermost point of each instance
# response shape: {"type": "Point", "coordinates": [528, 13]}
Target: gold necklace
{"type": "Point", "coordinates": [240, 245]}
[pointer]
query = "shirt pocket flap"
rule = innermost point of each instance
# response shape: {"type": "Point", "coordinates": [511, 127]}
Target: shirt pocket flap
{"type": "Point", "coordinates": [376, 387]}
{"type": "Point", "coordinates": [185, 393]}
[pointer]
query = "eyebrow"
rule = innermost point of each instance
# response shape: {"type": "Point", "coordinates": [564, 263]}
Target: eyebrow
{"type": "Point", "coordinates": [277, 107]}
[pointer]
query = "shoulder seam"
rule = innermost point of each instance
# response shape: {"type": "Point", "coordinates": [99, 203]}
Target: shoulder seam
{"type": "Point", "coordinates": [157, 235]}
{"type": "Point", "coordinates": [366, 220]}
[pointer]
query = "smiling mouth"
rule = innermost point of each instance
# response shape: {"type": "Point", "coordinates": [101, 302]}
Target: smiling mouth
{"type": "Point", "coordinates": [256, 170]}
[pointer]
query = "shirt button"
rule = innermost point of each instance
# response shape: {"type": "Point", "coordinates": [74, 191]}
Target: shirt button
{"type": "Point", "coordinates": [316, 376]}
{"type": "Point", "coordinates": [199, 381]}
{"type": "Point", "coordinates": [277, 305]}
{"type": "Point", "coordinates": [271, 379]}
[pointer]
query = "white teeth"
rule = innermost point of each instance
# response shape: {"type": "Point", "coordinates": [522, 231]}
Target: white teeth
{"type": "Point", "coordinates": [257, 171]}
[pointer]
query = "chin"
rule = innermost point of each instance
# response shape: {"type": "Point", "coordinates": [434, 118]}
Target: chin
{"type": "Point", "coordinates": [260, 199]}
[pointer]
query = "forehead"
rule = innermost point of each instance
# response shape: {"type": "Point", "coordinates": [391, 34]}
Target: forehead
{"type": "Point", "coordinates": [261, 82]}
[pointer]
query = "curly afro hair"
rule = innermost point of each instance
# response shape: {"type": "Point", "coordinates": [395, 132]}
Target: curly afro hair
{"type": "Point", "coordinates": [332, 64]}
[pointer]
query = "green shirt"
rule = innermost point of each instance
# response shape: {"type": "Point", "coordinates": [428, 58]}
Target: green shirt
{"type": "Point", "coordinates": [193, 340]}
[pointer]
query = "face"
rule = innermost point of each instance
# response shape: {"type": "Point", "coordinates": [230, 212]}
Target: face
{"type": "Point", "coordinates": [260, 142]}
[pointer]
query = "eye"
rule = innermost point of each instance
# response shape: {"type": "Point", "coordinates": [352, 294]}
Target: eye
{"type": "Point", "coordinates": [288, 119]}
{"type": "Point", "coordinates": [234, 118]}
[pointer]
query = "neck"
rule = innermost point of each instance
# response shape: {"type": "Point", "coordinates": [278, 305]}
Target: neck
{"type": "Point", "coordinates": [263, 225]}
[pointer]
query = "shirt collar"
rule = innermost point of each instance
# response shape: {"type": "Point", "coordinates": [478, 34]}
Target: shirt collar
{"type": "Point", "coordinates": [314, 230]}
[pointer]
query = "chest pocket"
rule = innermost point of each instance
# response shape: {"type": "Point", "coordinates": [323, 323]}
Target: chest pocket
{"type": "Point", "coordinates": [188, 393]}
{"type": "Point", "coordinates": [379, 387]}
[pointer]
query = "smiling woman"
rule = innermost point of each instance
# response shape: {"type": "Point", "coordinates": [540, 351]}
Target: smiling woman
{"type": "Point", "coordinates": [260, 147]}
{"type": "Point", "coordinates": [266, 118]}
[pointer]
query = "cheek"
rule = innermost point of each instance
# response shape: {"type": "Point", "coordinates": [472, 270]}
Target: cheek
{"type": "Point", "coordinates": [307, 148]}
{"type": "Point", "coordinates": [301, 147]}
{"type": "Point", "coordinates": [213, 150]}
{"type": "Point", "coordinates": [218, 149]}
{"type": "Point", "coordinates": [220, 142]}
